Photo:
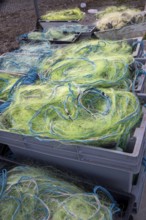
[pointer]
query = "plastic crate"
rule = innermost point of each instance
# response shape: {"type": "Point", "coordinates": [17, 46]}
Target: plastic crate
{"type": "Point", "coordinates": [138, 188]}
{"type": "Point", "coordinates": [57, 41]}
{"type": "Point", "coordinates": [110, 166]}
{"type": "Point", "coordinates": [45, 25]}
{"type": "Point", "coordinates": [135, 30]}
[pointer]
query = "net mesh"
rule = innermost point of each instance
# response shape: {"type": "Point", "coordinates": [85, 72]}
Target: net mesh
{"type": "Point", "coordinates": [96, 62]}
{"type": "Point", "coordinates": [77, 87]}
{"type": "Point", "coordinates": [23, 59]}
{"type": "Point", "coordinates": [57, 31]}
{"type": "Point", "coordinates": [42, 194]}
{"type": "Point", "coordinates": [117, 17]}
{"type": "Point", "coordinates": [64, 15]}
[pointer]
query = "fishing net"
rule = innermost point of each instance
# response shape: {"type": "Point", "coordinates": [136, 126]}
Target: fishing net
{"type": "Point", "coordinates": [51, 35]}
{"type": "Point", "coordinates": [64, 15]}
{"type": "Point", "coordinates": [18, 62]}
{"type": "Point", "coordinates": [91, 47]}
{"type": "Point", "coordinates": [117, 17]}
{"type": "Point", "coordinates": [91, 116]}
{"type": "Point", "coordinates": [68, 89]}
{"type": "Point", "coordinates": [39, 194]}
{"type": "Point", "coordinates": [6, 83]}
{"type": "Point", "coordinates": [88, 63]}
{"type": "Point", "coordinates": [28, 56]}
{"type": "Point", "coordinates": [35, 48]}
{"type": "Point", "coordinates": [61, 32]}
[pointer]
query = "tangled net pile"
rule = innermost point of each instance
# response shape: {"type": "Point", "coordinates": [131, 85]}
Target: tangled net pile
{"type": "Point", "coordinates": [117, 17]}
{"type": "Point", "coordinates": [77, 87]}
{"type": "Point", "coordinates": [89, 63]}
{"type": "Point", "coordinates": [6, 83]}
{"type": "Point", "coordinates": [23, 59]}
{"type": "Point", "coordinates": [90, 115]}
{"type": "Point", "coordinates": [52, 35]}
{"type": "Point", "coordinates": [37, 194]}
{"type": "Point", "coordinates": [66, 32]}
{"type": "Point", "coordinates": [64, 15]}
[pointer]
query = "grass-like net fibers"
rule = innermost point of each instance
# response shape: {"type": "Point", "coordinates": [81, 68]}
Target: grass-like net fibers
{"type": "Point", "coordinates": [117, 17]}
{"type": "Point", "coordinates": [60, 33]}
{"type": "Point", "coordinates": [25, 58]}
{"type": "Point", "coordinates": [64, 15]}
{"type": "Point", "coordinates": [89, 63]}
{"type": "Point", "coordinates": [72, 114]}
{"type": "Point", "coordinates": [37, 194]}
{"type": "Point", "coordinates": [71, 92]}
{"type": "Point", "coordinates": [6, 83]}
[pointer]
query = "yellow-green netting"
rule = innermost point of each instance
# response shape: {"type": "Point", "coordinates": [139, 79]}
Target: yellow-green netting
{"type": "Point", "coordinates": [64, 15]}
{"type": "Point", "coordinates": [91, 116]}
{"type": "Point", "coordinates": [51, 35]}
{"type": "Point", "coordinates": [78, 94]}
{"type": "Point", "coordinates": [65, 32]}
{"type": "Point", "coordinates": [117, 17]}
{"type": "Point", "coordinates": [89, 63]}
{"type": "Point", "coordinates": [43, 194]}
{"type": "Point", "coordinates": [6, 83]}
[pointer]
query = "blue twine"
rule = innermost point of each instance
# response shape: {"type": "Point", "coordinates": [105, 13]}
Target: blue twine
{"type": "Point", "coordinates": [113, 207]}
{"type": "Point", "coordinates": [3, 181]}
{"type": "Point", "coordinates": [23, 36]}
{"type": "Point", "coordinates": [27, 79]}
{"type": "Point", "coordinates": [5, 105]}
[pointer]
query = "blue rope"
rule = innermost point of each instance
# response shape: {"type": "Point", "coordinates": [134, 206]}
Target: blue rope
{"type": "Point", "coordinates": [5, 105]}
{"type": "Point", "coordinates": [27, 79]}
{"type": "Point", "coordinates": [3, 182]}
{"type": "Point", "coordinates": [113, 207]}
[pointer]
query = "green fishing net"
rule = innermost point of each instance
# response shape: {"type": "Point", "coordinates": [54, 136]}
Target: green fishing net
{"type": "Point", "coordinates": [91, 116]}
{"type": "Point", "coordinates": [89, 63]}
{"type": "Point", "coordinates": [64, 15]}
{"type": "Point", "coordinates": [51, 35]}
{"type": "Point", "coordinates": [6, 83]}
{"type": "Point", "coordinates": [39, 194]}
{"type": "Point", "coordinates": [16, 62]}
{"type": "Point", "coordinates": [35, 48]}
{"type": "Point", "coordinates": [25, 58]}
{"type": "Point", "coordinates": [117, 17]}
{"type": "Point", "coordinates": [92, 47]}
{"type": "Point", "coordinates": [66, 32]}
{"type": "Point", "coordinates": [80, 97]}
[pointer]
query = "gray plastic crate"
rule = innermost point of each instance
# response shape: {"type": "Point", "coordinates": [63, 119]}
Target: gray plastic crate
{"type": "Point", "coordinates": [135, 30]}
{"type": "Point", "coordinates": [138, 188]}
{"type": "Point", "coordinates": [111, 167]}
